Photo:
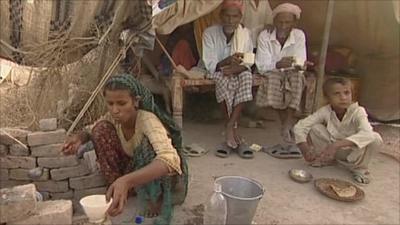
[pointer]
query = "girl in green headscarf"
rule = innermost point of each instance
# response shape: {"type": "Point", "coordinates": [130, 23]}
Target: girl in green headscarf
{"type": "Point", "coordinates": [138, 147]}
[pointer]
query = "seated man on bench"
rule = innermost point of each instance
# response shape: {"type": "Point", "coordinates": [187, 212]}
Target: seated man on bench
{"type": "Point", "coordinates": [223, 48]}
{"type": "Point", "coordinates": [279, 53]}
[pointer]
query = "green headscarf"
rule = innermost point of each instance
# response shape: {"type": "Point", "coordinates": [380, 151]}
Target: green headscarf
{"type": "Point", "coordinates": [143, 154]}
{"type": "Point", "coordinates": [147, 103]}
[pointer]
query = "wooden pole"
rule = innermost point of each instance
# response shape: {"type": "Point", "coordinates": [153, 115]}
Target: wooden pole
{"type": "Point", "coordinates": [321, 65]}
{"type": "Point", "coordinates": [166, 53]}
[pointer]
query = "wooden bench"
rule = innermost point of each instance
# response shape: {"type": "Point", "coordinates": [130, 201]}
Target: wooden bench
{"type": "Point", "coordinates": [179, 84]}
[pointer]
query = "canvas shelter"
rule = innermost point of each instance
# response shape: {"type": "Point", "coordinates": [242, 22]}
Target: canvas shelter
{"type": "Point", "coordinates": [369, 28]}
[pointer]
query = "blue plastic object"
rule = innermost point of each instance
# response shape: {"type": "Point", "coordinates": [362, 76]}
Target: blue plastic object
{"type": "Point", "coordinates": [139, 219]}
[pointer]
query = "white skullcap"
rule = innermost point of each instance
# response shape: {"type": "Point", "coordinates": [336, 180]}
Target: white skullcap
{"type": "Point", "coordinates": [287, 7]}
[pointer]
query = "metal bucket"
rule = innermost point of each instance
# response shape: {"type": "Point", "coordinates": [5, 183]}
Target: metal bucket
{"type": "Point", "coordinates": [242, 195]}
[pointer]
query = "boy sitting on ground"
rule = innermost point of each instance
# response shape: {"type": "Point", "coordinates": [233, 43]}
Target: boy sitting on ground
{"type": "Point", "coordinates": [338, 131]}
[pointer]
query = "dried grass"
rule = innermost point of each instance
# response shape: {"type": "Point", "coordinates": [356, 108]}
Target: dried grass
{"type": "Point", "coordinates": [50, 88]}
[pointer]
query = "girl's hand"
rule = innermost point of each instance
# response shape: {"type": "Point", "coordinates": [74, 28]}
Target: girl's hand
{"type": "Point", "coordinates": [71, 144]}
{"type": "Point", "coordinates": [118, 192]}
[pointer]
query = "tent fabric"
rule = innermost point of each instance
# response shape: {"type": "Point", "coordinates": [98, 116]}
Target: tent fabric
{"type": "Point", "coordinates": [396, 8]}
{"type": "Point", "coordinates": [33, 25]}
{"type": "Point", "coordinates": [202, 23]}
{"type": "Point", "coordinates": [371, 30]}
{"type": "Point", "coordinates": [182, 12]}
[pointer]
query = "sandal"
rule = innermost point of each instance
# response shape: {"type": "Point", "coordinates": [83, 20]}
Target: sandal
{"type": "Point", "coordinates": [223, 150]}
{"type": "Point", "coordinates": [361, 177]}
{"type": "Point", "coordinates": [319, 164]}
{"type": "Point", "coordinates": [194, 150]}
{"type": "Point", "coordinates": [280, 152]}
{"type": "Point", "coordinates": [245, 152]}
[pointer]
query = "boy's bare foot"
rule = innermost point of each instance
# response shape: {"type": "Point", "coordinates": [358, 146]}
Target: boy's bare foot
{"type": "Point", "coordinates": [230, 137]}
{"type": "Point", "coordinates": [309, 155]}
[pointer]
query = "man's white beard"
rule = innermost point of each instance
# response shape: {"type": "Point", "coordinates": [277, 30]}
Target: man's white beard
{"type": "Point", "coordinates": [282, 34]}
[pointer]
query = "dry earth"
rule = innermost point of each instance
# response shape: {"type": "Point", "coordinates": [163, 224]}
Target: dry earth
{"type": "Point", "coordinates": [285, 202]}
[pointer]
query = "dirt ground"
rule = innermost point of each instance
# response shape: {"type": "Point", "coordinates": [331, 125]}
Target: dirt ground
{"type": "Point", "coordinates": [284, 201]}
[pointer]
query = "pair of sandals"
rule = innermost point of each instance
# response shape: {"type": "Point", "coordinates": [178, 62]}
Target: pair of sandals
{"type": "Point", "coordinates": [243, 150]}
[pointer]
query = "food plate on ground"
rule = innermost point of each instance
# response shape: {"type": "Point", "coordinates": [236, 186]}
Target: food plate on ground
{"type": "Point", "coordinates": [301, 176]}
{"type": "Point", "coordinates": [339, 189]}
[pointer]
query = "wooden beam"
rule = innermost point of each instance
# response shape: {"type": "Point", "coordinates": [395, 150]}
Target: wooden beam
{"type": "Point", "coordinates": [322, 58]}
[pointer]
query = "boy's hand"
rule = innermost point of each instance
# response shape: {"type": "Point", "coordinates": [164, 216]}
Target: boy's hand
{"type": "Point", "coordinates": [307, 152]}
{"type": "Point", "coordinates": [328, 154]}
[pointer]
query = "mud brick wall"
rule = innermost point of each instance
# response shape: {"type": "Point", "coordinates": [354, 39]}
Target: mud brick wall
{"type": "Point", "coordinates": [64, 177]}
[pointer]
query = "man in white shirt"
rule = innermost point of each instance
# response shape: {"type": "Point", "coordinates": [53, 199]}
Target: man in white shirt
{"type": "Point", "coordinates": [278, 54]}
{"type": "Point", "coordinates": [223, 48]}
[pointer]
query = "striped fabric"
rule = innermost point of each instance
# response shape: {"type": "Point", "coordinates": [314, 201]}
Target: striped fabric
{"type": "Point", "coordinates": [281, 90]}
{"type": "Point", "coordinates": [233, 90]}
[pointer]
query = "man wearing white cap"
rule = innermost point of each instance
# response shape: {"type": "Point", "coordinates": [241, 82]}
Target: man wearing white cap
{"type": "Point", "coordinates": [279, 53]}
{"type": "Point", "coordinates": [224, 46]}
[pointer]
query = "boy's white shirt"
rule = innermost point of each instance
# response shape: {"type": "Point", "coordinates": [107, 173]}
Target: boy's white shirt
{"type": "Point", "coordinates": [354, 126]}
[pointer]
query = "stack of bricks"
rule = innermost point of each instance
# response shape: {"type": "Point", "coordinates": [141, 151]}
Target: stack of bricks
{"type": "Point", "coordinates": [63, 177]}
{"type": "Point", "coordinates": [19, 206]}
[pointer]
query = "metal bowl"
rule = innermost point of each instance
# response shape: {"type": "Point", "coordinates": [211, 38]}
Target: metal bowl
{"type": "Point", "coordinates": [300, 176]}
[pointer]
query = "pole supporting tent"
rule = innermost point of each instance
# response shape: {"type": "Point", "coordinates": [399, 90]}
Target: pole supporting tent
{"type": "Point", "coordinates": [324, 49]}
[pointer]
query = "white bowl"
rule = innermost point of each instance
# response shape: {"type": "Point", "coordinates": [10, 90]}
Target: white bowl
{"type": "Point", "coordinates": [95, 207]}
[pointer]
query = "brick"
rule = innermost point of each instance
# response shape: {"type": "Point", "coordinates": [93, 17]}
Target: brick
{"type": "Point", "coordinates": [12, 162]}
{"type": "Point", "coordinates": [63, 195]}
{"type": "Point", "coordinates": [3, 150]}
{"type": "Point", "coordinates": [47, 150]}
{"type": "Point", "coordinates": [17, 203]}
{"type": "Point", "coordinates": [78, 194]}
{"type": "Point", "coordinates": [90, 159]}
{"type": "Point", "coordinates": [19, 150]}
{"type": "Point", "coordinates": [48, 124]}
{"type": "Point", "coordinates": [68, 172]}
{"type": "Point", "coordinates": [91, 181]}
{"type": "Point", "coordinates": [19, 134]}
{"type": "Point", "coordinates": [12, 183]}
{"type": "Point", "coordinates": [50, 213]}
{"type": "Point", "coordinates": [58, 162]}
{"type": "Point", "coordinates": [3, 174]}
{"type": "Point", "coordinates": [45, 138]}
{"type": "Point", "coordinates": [22, 174]}
{"type": "Point", "coordinates": [52, 186]}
